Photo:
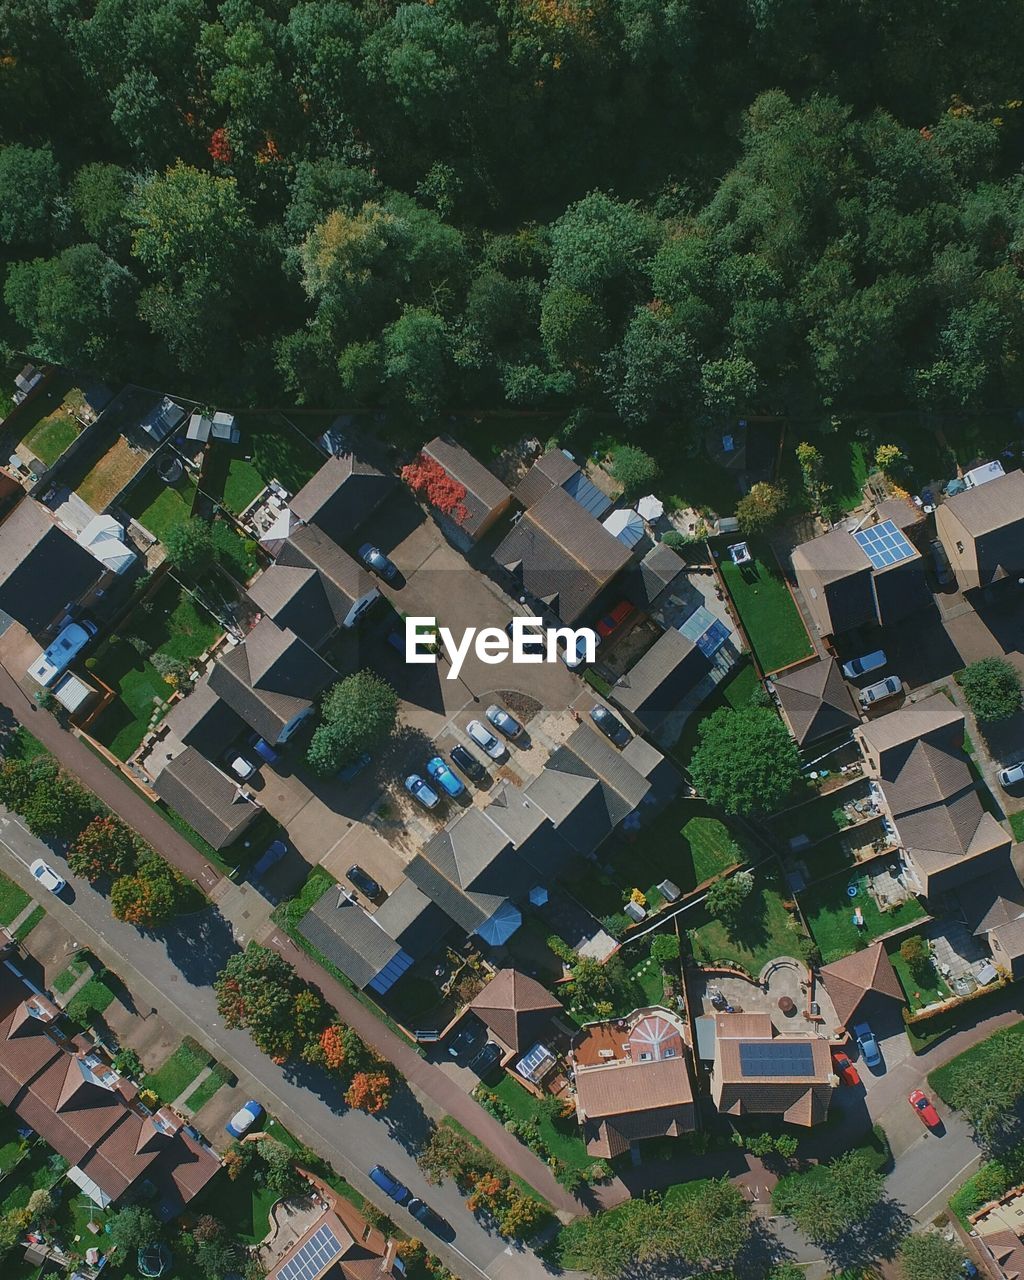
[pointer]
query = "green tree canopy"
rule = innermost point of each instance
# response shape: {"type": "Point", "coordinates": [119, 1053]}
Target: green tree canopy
{"type": "Point", "coordinates": [356, 715]}
{"type": "Point", "coordinates": [926, 1255]}
{"type": "Point", "coordinates": [993, 688]}
{"type": "Point", "coordinates": [831, 1199]}
{"type": "Point", "coordinates": [745, 761]}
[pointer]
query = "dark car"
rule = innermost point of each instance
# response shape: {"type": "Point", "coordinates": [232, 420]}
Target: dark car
{"type": "Point", "coordinates": [363, 881]}
{"type": "Point", "coordinates": [389, 1184]}
{"type": "Point", "coordinates": [468, 763]}
{"type": "Point", "coordinates": [610, 725]}
{"type": "Point", "coordinates": [376, 560]}
{"type": "Point", "coordinates": [423, 1213]}
{"type": "Point", "coordinates": [503, 720]}
{"type": "Point", "coordinates": [487, 1059]}
{"type": "Point", "coordinates": [275, 851]}
{"type": "Point", "coordinates": [354, 768]}
{"type": "Point", "coordinates": [465, 1043]}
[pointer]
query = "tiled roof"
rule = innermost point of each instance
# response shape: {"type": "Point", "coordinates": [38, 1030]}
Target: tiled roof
{"type": "Point", "coordinates": [469, 911]}
{"type": "Point", "coordinates": [849, 980]}
{"type": "Point", "coordinates": [350, 938]}
{"type": "Point", "coordinates": [42, 569]}
{"type": "Point", "coordinates": [210, 802]}
{"type": "Point", "coordinates": [415, 923]}
{"type": "Point", "coordinates": [561, 555]}
{"type": "Point", "coordinates": [342, 494]}
{"type": "Point", "coordinates": [990, 506]}
{"type": "Point", "coordinates": [654, 574]}
{"type": "Point", "coordinates": [816, 700]}
{"type": "Point", "coordinates": [658, 682]}
{"type": "Point", "coordinates": [798, 1098]}
{"type": "Point", "coordinates": [485, 493]}
{"type": "Point", "coordinates": [205, 721]}
{"type": "Point", "coordinates": [622, 1102]}
{"type": "Point", "coordinates": [516, 1008]}
{"type": "Point", "coordinates": [549, 472]}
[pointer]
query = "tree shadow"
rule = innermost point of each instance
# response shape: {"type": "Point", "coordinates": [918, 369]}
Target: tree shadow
{"type": "Point", "coordinates": [203, 949]}
{"type": "Point", "coordinates": [877, 1237]}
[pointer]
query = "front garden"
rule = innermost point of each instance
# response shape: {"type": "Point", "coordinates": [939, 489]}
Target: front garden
{"type": "Point", "coordinates": [830, 911]}
{"type": "Point", "coordinates": [766, 608]}
{"type": "Point", "coordinates": [547, 1125]}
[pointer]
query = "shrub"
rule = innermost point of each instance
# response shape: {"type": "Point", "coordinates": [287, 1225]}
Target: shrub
{"type": "Point", "coordinates": [633, 468]}
{"type": "Point", "coordinates": [665, 948]}
{"type": "Point", "coordinates": [761, 508]}
{"type": "Point", "coordinates": [917, 954]}
{"type": "Point", "coordinates": [726, 897]}
{"type": "Point", "coordinates": [993, 688]}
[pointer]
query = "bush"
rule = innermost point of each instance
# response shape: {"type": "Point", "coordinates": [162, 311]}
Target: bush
{"type": "Point", "coordinates": [726, 897]}
{"type": "Point", "coordinates": [993, 688]}
{"type": "Point", "coordinates": [762, 508]}
{"type": "Point", "coordinates": [917, 954]}
{"type": "Point", "coordinates": [665, 948]}
{"type": "Point", "coordinates": [357, 714]}
{"type": "Point", "coordinates": [633, 468]}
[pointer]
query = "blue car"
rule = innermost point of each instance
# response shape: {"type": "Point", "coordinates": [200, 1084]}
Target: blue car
{"type": "Point", "coordinates": [445, 777]}
{"type": "Point", "coordinates": [868, 1044]}
{"type": "Point", "coordinates": [354, 768]}
{"type": "Point", "coordinates": [389, 1184]}
{"type": "Point", "coordinates": [243, 1120]}
{"type": "Point", "coordinates": [419, 790]}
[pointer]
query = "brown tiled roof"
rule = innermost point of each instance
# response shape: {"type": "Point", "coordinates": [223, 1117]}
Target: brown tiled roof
{"type": "Point", "coordinates": [562, 555]}
{"type": "Point", "coordinates": [849, 980]}
{"type": "Point", "coordinates": [42, 568]}
{"type": "Point", "coordinates": [516, 1008]}
{"type": "Point", "coordinates": [1006, 1249]}
{"type": "Point", "coordinates": [625, 1101]}
{"type": "Point", "coordinates": [485, 493]}
{"type": "Point", "coordinates": [549, 472]}
{"type": "Point", "coordinates": [342, 494]}
{"type": "Point", "coordinates": [816, 700]}
{"type": "Point", "coordinates": [990, 506]}
{"type": "Point", "coordinates": [209, 801]}
{"type": "Point", "coordinates": [204, 720]}
{"type": "Point", "coordinates": [364, 1254]}
{"type": "Point", "coordinates": [744, 1026]}
{"type": "Point", "coordinates": [799, 1099]}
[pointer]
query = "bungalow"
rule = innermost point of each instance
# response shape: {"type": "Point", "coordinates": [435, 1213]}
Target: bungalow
{"type": "Point", "coordinates": [486, 499]}
{"type": "Point", "coordinates": [982, 531]}
{"type": "Point", "coordinates": [343, 493]}
{"type": "Point", "coordinates": [757, 1072]}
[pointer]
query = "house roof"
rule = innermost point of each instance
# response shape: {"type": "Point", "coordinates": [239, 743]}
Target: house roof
{"type": "Point", "coordinates": [550, 471]}
{"type": "Point", "coordinates": [469, 911]}
{"type": "Point", "coordinates": [654, 574]}
{"type": "Point", "coordinates": [205, 721]}
{"type": "Point", "coordinates": [209, 801]}
{"type": "Point", "coordinates": [816, 700]}
{"type": "Point", "coordinates": [992, 901]}
{"type": "Point", "coordinates": [270, 678]}
{"type": "Point", "coordinates": [850, 979]}
{"type": "Point", "coordinates": [348, 936]}
{"type": "Point", "coordinates": [415, 923]}
{"type": "Point", "coordinates": [561, 555]}
{"type": "Point", "coordinates": [1006, 1248]}
{"type": "Point", "coordinates": [758, 1073]}
{"type": "Point", "coordinates": [990, 506]}
{"type": "Point", "coordinates": [342, 494]}
{"type": "Point", "coordinates": [659, 681]}
{"type": "Point", "coordinates": [42, 568]}
{"type": "Point", "coordinates": [485, 494]}
{"type": "Point", "coordinates": [516, 1008]}
{"type": "Point", "coordinates": [355, 1251]}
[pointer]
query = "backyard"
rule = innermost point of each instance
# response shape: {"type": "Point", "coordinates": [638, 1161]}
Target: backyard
{"type": "Point", "coordinates": [161, 507]}
{"type": "Point", "coordinates": [110, 473]}
{"type": "Point", "coordinates": [270, 449]}
{"type": "Point", "coordinates": [766, 930]}
{"type": "Point", "coordinates": [735, 691]}
{"type": "Point", "coordinates": [928, 987]}
{"type": "Point", "coordinates": [51, 432]}
{"type": "Point", "coordinates": [829, 910]}
{"type": "Point", "coordinates": [766, 608]}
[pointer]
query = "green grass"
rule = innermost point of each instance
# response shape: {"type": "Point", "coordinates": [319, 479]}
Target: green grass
{"type": "Point", "coordinates": [735, 691]}
{"type": "Point", "coordinates": [451, 1123]}
{"type": "Point", "coordinates": [202, 1094]}
{"type": "Point", "coordinates": [766, 608]}
{"type": "Point", "coordinates": [93, 999]}
{"type": "Point", "coordinates": [67, 978]}
{"type": "Point", "coordinates": [123, 725]}
{"type": "Point", "coordinates": [51, 436]}
{"type": "Point", "coordinates": [828, 909]}
{"type": "Point", "coordinates": [847, 468]}
{"type": "Point", "coordinates": [941, 1079]}
{"type": "Point", "coordinates": [763, 933]}
{"type": "Point", "coordinates": [275, 451]}
{"type": "Point", "coordinates": [23, 746]}
{"type": "Point", "coordinates": [817, 819]}
{"type": "Point", "coordinates": [992, 1180]}
{"type": "Point", "coordinates": [562, 1139]}
{"type": "Point", "coordinates": [918, 993]}
{"type": "Point", "coordinates": [1017, 824]}
{"type": "Point", "coordinates": [161, 507]}
{"type": "Point", "coordinates": [29, 923]}
{"type": "Point", "coordinates": [178, 1072]}
{"type": "Point", "coordinates": [13, 900]}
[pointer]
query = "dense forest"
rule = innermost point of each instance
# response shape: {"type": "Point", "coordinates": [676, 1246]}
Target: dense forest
{"type": "Point", "coordinates": [649, 207]}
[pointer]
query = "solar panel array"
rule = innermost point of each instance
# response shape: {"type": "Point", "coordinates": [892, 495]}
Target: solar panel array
{"type": "Point", "coordinates": [313, 1258]}
{"type": "Point", "coordinates": [884, 544]}
{"type": "Point", "coordinates": [781, 1058]}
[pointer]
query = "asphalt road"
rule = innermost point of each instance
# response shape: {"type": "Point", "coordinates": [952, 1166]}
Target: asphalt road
{"type": "Point", "coordinates": [172, 974]}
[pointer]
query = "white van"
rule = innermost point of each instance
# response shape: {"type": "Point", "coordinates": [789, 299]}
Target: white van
{"type": "Point", "coordinates": [71, 641]}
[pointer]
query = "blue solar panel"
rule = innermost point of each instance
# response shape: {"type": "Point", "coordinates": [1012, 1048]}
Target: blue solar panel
{"type": "Point", "coordinates": [313, 1258]}
{"type": "Point", "coordinates": [884, 544]}
{"type": "Point", "coordinates": [780, 1058]}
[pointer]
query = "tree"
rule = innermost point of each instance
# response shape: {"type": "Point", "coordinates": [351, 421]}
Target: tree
{"type": "Point", "coordinates": [591, 982]}
{"type": "Point", "coordinates": [356, 715]}
{"type": "Point", "coordinates": [332, 1042]}
{"type": "Point", "coordinates": [279, 1173]}
{"type": "Point", "coordinates": [150, 896]}
{"type": "Point", "coordinates": [59, 809]}
{"type": "Point", "coordinates": [926, 1255]}
{"type": "Point", "coordinates": [634, 469]}
{"type": "Point", "coordinates": [665, 949]}
{"type": "Point", "coordinates": [429, 480]}
{"type": "Point", "coordinates": [31, 207]}
{"type": "Point", "coordinates": [258, 989]}
{"type": "Point", "coordinates": [987, 1084]}
{"type": "Point", "coordinates": [892, 462]}
{"type": "Point", "coordinates": [370, 1091]}
{"type": "Point", "coordinates": [106, 847]}
{"type": "Point", "coordinates": [832, 1199]}
{"type": "Point", "coordinates": [726, 897]}
{"type": "Point", "coordinates": [219, 1257]}
{"type": "Point", "coordinates": [189, 545]}
{"type": "Point", "coordinates": [41, 1205]}
{"type": "Point", "coordinates": [812, 469]}
{"type": "Point", "coordinates": [128, 1063]}
{"type": "Point", "coordinates": [993, 688]}
{"type": "Point", "coordinates": [713, 1224]}
{"type": "Point", "coordinates": [761, 508]}
{"type": "Point", "coordinates": [745, 761]}
{"type": "Point", "coordinates": [918, 956]}
{"type": "Point", "coordinates": [131, 1229]}
{"type": "Point", "coordinates": [416, 362]}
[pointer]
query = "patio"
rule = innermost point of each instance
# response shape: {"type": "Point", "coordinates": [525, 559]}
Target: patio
{"type": "Point", "coordinates": [784, 979]}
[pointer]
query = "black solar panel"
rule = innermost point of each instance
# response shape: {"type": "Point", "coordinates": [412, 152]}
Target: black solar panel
{"type": "Point", "coordinates": [313, 1258]}
{"type": "Point", "coordinates": [777, 1058]}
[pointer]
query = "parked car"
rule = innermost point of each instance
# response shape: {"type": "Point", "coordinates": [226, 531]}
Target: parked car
{"type": "Point", "coordinates": [243, 1120]}
{"type": "Point", "coordinates": [423, 1213]}
{"type": "Point", "coordinates": [419, 790]}
{"type": "Point", "coordinates": [468, 763]}
{"type": "Point", "coordinates": [396, 639]}
{"type": "Point", "coordinates": [45, 875]}
{"type": "Point", "coordinates": [579, 654]}
{"type": "Point", "coordinates": [925, 1111]}
{"type": "Point", "coordinates": [867, 1044]}
{"type": "Point", "coordinates": [275, 851]}
{"type": "Point", "coordinates": [1012, 776]}
{"type": "Point", "coordinates": [69, 643]}
{"type": "Point", "coordinates": [845, 1069]}
{"type": "Point", "coordinates": [886, 688]}
{"type": "Point", "coordinates": [376, 560]}
{"type": "Point", "coordinates": [610, 725]}
{"type": "Point", "coordinates": [467, 1041]}
{"type": "Point", "coordinates": [503, 720]}
{"type": "Point", "coordinates": [355, 768]}
{"type": "Point", "coordinates": [263, 749]}
{"type": "Point", "coordinates": [389, 1184]}
{"type": "Point", "coordinates": [445, 777]}
{"type": "Point", "coordinates": [487, 1059]}
{"type": "Point", "coordinates": [857, 667]}
{"type": "Point", "coordinates": [622, 612]}
{"type": "Point", "coordinates": [363, 881]}
{"type": "Point", "coordinates": [940, 562]}
{"type": "Point", "coordinates": [485, 739]}
{"type": "Point", "coordinates": [239, 765]}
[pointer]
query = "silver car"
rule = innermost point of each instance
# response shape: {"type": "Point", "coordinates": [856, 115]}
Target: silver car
{"type": "Point", "coordinates": [1012, 776]}
{"type": "Point", "coordinates": [486, 740]}
{"type": "Point", "coordinates": [878, 692]}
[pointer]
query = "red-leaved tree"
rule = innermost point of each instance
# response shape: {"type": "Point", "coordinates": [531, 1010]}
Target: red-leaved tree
{"type": "Point", "coordinates": [220, 146]}
{"type": "Point", "coordinates": [332, 1041]}
{"type": "Point", "coordinates": [369, 1091]}
{"type": "Point", "coordinates": [428, 479]}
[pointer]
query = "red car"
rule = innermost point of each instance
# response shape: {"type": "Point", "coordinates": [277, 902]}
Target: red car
{"type": "Point", "coordinates": [924, 1109]}
{"type": "Point", "coordinates": [845, 1069]}
{"type": "Point", "coordinates": [612, 621]}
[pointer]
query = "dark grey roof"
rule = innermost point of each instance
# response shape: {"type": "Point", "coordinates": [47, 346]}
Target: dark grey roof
{"type": "Point", "coordinates": [416, 924]}
{"type": "Point", "coordinates": [562, 555]}
{"type": "Point", "coordinates": [654, 574]}
{"type": "Point", "coordinates": [666, 673]}
{"type": "Point", "coordinates": [270, 678]}
{"type": "Point", "coordinates": [467, 913]}
{"type": "Point", "coordinates": [649, 762]}
{"type": "Point", "coordinates": [209, 801]}
{"type": "Point", "coordinates": [42, 569]}
{"type": "Point", "coordinates": [485, 494]}
{"type": "Point", "coordinates": [529, 828]}
{"type": "Point", "coordinates": [479, 859]}
{"type": "Point", "coordinates": [349, 937]}
{"type": "Point", "coordinates": [205, 721]}
{"type": "Point", "coordinates": [342, 494]}
{"type": "Point", "coordinates": [549, 472]}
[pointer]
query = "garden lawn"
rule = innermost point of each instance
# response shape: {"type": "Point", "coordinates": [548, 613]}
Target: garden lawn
{"type": "Point", "coordinates": [178, 1072]}
{"type": "Point", "coordinates": [684, 845]}
{"type": "Point", "coordinates": [161, 507]}
{"type": "Point", "coordinates": [941, 1078]}
{"type": "Point", "coordinates": [828, 909]}
{"type": "Point", "coordinates": [734, 691]}
{"type": "Point", "coordinates": [29, 923]}
{"type": "Point", "coordinates": [202, 1094]}
{"type": "Point", "coordinates": [766, 608]}
{"type": "Point", "coordinates": [918, 993]}
{"type": "Point", "coordinates": [94, 998]}
{"type": "Point", "coordinates": [847, 467]}
{"type": "Point", "coordinates": [273, 451]}
{"type": "Point", "coordinates": [177, 626]}
{"type": "Point", "coordinates": [109, 474]}
{"type": "Point", "coordinates": [67, 978]}
{"type": "Point", "coordinates": [818, 818]}
{"type": "Point", "coordinates": [13, 900]}
{"type": "Point", "coordinates": [123, 725]}
{"type": "Point", "coordinates": [763, 933]}
{"type": "Point", "coordinates": [51, 436]}
{"type": "Point", "coordinates": [1017, 824]}
{"type": "Point", "coordinates": [562, 1140]}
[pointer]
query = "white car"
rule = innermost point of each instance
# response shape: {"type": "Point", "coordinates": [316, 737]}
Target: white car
{"type": "Point", "coordinates": [47, 877]}
{"type": "Point", "coordinates": [886, 688]}
{"type": "Point", "coordinates": [242, 767]}
{"type": "Point", "coordinates": [1012, 776]}
{"type": "Point", "coordinates": [71, 641]}
{"type": "Point", "coordinates": [579, 656]}
{"type": "Point", "coordinates": [486, 740]}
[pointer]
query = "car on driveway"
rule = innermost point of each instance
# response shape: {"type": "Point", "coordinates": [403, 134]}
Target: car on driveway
{"type": "Point", "coordinates": [242, 1121]}
{"type": "Point", "coordinates": [867, 1044]}
{"type": "Point", "coordinates": [887, 688]}
{"type": "Point", "coordinates": [487, 1059]}
{"type": "Point", "coordinates": [389, 1184]}
{"type": "Point", "coordinates": [45, 875]}
{"type": "Point", "coordinates": [485, 740]}
{"type": "Point", "coordinates": [239, 765]}
{"type": "Point", "coordinates": [610, 725]}
{"type": "Point", "coordinates": [611, 622]}
{"type": "Point", "coordinates": [423, 1214]}
{"type": "Point", "coordinates": [578, 655]}
{"type": "Point", "coordinates": [1012, 775]}
{"type": "Point", "coordinates": [925, 1111]}
{"type": "Point", "coordinates": [419, 790]}
{"type": "Point", "coordinates": [445, 777]}
{"type": "Point", "coordinates": [467, 1042]}
{"type": "Point", "coordinates": [468, 763]}
{"type": "Point", "coordinates": [376, 560]}
{"type": "Point", "coordinates": [940, 562]}
{"type": "Point", "coordinates": [503, 720]}
{"type": "Point", "coordinates": [845, 1070]}
{"type": "Point", "coordinates": [364, 882]}
{"type": "Point", "coordinates": [858, 667]}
